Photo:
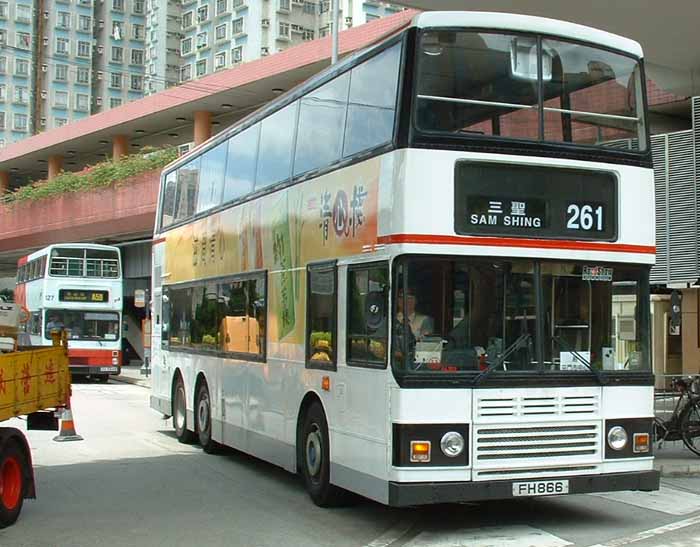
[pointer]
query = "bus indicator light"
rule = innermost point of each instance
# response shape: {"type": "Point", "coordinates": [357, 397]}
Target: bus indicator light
{"type": "Point", "coordinates": [326, 383]}
{"type": "Point", "coordinates": [420, 451]}
{"type": "Point", "coordinates": [640, 443]}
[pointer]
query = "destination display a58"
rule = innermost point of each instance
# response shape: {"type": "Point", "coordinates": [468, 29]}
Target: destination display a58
{"type": "Point", "coordinates": [539, 202]}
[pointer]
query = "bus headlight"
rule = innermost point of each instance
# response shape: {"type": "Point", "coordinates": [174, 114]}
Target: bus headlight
{"type": "Point", "coordinates": [452, 444]}
{"type": "Point", "coordinates": [617, 437]}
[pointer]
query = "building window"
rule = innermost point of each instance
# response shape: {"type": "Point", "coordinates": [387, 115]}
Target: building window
{"type": "Point", "coordinates": [3, 93]}
{"type": "Point", "coordinates": [284, 5]}
{"type": "Point", "coordinates": [21, 121]}
{"type": "Point", "coordinates": [60, 122]}
{"type": "Point", "coordinates": [2, 120]}
{"type": "Point", "coordinates": [83, 49]}
{"type": "Point", "coordinates": [238, 4]}
{"type": "Point", "coordinates": [325, 6]}
{"type": "Point", "coordinates": [60, 99]}
{"type": "Point", "coordinates": [114, 102]}
{"type": "Point", "coordinates": [63, 19]}
{"type": "Point", "coordinates": [115, 80]}
{"type": "Point", "coordinates": [23, 13]}
{"type": "Point", "coordinates": [370, 17]}
{"type": "Point", "coordinates": [221, 6]}
{"type": "Point", "coordinates": [61, 73]}
{"type": "Point", "coordinates": [201, 68]}
{"type": "Point", "coordinates": [284, 30]}
{"type": "Point", "coordinates": [153, 53]}
{"type": "Point", "coordinates": [3, 65]}
{"type": "Point", "coordinates": [138, 32]}
{"type": "Point", "coordinates": [117, 54]}
{"type": "Point", "coordinates": [310, 8]}
{"type": "Point", "coordinates": [237, 26]}
{"type": "Point", "coordinates": [3, 10]}
{"type": "Point", "coordinates": [82, 102]}
{"type": "Point", "coordinates": [187, 19]}
{"type": "Point", "coordinates": [220, 60]}
{"type": "Point", "coordinates": [84, 23]}
{"type": "Point", "coordinates": [186, 73]}
{"type": "Point", "coordinates": [62, 46]}
{"type": "Point", "coordinates": [186, 46]}
{"type": "Point", "coordinates": [21, 67]}
{"type": "Point", "coordinates": [202, 40]}
{"type": "Point", "coordinates": [237, 54]}
{"type": "Point", "coordinates": [137, 57]}
{"type": "Point", "coordinates": [24, 40]}
{"type": "Point", "coordinates": [118, 5]}
{"type": "Point", "coordinates": [307, 35]}
{"type": "Point", "coordinates": [136, 83]}
{"type": "Point", "coordinates": [3, 36]}
{"type": "Point", "coordinates": [220, 32]}
{"type": "Point", "coordinates": [117, 30]}
{"type": "Point", "coordinates": [321, 313]}
{"type": "Point", "coordinates": [202, 14]}
{"type": "Point", "coordinates": [323, 31]}
{"type": "Point", "coordinates": [137, 7]}
{"type": "Point", "coordinates": [83, 75]}
{"type": "Point", "coordinates": [21, 95]}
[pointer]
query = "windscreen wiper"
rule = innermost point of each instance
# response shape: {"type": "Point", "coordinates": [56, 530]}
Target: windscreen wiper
{"type": "Point", "coordinates": [518, 344]}
{"type": "Point", "coordinates": [602, 378]}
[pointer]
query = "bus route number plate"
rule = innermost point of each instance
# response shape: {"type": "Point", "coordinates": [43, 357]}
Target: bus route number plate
{"type": "Point", "coordinates": [540, 488]}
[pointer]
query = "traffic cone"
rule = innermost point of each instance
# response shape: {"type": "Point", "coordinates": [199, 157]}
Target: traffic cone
{"type": "Point", "coordinates": [67, 431]}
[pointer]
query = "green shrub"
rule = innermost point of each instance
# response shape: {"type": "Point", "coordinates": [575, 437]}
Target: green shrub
{"type": "Point", "coordinates": [98, 176]}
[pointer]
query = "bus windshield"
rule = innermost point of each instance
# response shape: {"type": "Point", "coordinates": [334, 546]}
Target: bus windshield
{"type": "Point", "coordinates": [83, 325]}
{"type": "Point", "coordinates": [468, 315]}
{"type": "Point", "coordinates": [528, 87]}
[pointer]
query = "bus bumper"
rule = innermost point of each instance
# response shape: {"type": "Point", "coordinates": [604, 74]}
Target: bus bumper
{"type": "Point", "coordinates": [406, 494]}
{"type": "Point", "coordinates": [94, 370]}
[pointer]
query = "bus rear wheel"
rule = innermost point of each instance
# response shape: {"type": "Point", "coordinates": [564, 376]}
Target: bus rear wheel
{"type": "Point", "coordinates": [183, 434]}
{"type": "Point", "coordinates": [203, 419]}
{"type": "Point", "coordinates": [315, 459]}
{"type": "Point", "coordinates": [13, 483]}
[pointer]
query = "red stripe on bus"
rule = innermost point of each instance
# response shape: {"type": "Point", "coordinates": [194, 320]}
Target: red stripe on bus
{"type": "Point", "coordinates": [430, 239]}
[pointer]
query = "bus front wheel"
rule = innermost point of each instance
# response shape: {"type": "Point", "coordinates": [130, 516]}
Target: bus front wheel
{"type": "Point", "coordinates": [315, 459]}
{"type": "Point", "coordinates": [13, 484]}
{"type": "Point", "coordinates": [183, 434]}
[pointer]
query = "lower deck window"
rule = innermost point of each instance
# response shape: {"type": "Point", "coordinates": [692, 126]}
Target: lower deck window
{"type": "Point", "coordinates": [220, 316]}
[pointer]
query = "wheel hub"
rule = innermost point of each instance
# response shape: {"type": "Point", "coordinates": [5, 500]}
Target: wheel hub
{"type": "Point", "coordinates": [203, 414]}
{"type": "Point", "coordinates": [314, 451]}
{"type": "Point", "coordinates": [10, 483]}
{"type": "Point", "coordinates": [180, 410]}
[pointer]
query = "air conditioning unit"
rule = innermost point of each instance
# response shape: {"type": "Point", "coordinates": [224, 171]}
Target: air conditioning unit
{"type": "Point", "coordinates": [98, 101]}
{"type": "Point", "coordinates": [45, 41]}
{"type": "Point", "coordinates": [184, 149]}
{"type": "Point", "coordinates": [100, 75]}
{"type": "Point", "coordinates": [46, 15]}
{"type": "Point", "coordinates": [264, 51]}
{"type": "Point", "coordinates": [43, 94]}
{"type": "Point", "coordinates": [265, 23]}
{"type": "Point", "coordinates": [44, 68]}
{"type": "Point", "coordinates": [101, 24]}
{"type": "Point", "coordinates": [42, 122]}
{"type": "Point", "coordinates": [348, 21]}
{"type": "Point", "coordinates": [100, 49]}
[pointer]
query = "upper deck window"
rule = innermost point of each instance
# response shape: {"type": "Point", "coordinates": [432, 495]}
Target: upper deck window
{"type": "Point", "coordinates": [94, 263]}
{"type": "Point", "coordinates": [528, 87]}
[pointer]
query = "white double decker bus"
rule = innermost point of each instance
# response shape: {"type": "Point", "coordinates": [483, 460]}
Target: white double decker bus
{"type": "Point", "coordinates": [76, 287]}
{"type": "Point", "coordinates": [423, 275]}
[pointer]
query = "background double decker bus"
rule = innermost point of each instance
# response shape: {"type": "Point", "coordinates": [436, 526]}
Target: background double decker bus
{"type": "Point", "coordinates": [77, 287]}
{"type": "Point", "coordinates": [423, 275]}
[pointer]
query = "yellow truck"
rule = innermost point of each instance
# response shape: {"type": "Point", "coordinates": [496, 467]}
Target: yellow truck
{"type": "Point", "coordinates": [34, 383]}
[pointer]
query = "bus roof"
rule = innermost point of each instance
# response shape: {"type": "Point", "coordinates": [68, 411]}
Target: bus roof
{"type": "Point", "coordinates": [526, 23]}
{"type": "Point", "coordinates": [48, 248]}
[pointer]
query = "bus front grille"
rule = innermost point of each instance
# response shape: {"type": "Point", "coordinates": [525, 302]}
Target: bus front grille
{"type": "Point", "coordinates": [535, 445]}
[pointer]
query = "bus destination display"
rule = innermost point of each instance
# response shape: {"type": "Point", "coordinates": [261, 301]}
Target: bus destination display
{"type": "Point", "coordinates": [533, 201]}
{"type": "Point", "coordinates": [76, 295]}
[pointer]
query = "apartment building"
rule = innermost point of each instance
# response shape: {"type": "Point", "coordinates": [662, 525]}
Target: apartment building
{"type": "Point", "coordinates": [219, 34]}
{"type": "Point", "coordinates": [163, 36]}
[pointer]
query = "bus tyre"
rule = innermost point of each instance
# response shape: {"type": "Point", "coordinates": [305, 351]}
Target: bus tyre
{"type": "Point", "coordinates": [315, 459]}
{"type": "Point", "coordinates": [203, 419]}
{"type": "Point", "coordinates": [13, 482]}
{"type": "Point", "coordinates": [103, 378]}
{"type": "Point", "coordinates": [183, 434]}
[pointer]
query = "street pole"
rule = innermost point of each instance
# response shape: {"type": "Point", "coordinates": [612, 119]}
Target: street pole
{"type": "Point", "coordinates": [335, 30]}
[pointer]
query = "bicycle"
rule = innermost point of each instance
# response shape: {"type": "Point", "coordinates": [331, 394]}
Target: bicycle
{"type": "Point", "coordinates": [684, 423]}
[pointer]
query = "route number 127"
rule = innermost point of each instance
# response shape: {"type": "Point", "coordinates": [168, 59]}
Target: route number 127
{"type": "Point", "coordinates": [584, 217]}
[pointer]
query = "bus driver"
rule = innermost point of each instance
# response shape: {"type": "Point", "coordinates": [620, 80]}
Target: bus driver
{"type": "Point", "coordinates": [421, 325]}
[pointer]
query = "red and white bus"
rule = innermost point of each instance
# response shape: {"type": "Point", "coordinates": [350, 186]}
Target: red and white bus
{"type": "Point", "coordinates": [77, 287]}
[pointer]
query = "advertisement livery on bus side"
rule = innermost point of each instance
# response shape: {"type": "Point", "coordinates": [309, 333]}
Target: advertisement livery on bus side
{"type": "Point", "coordinates": [423, 275]}
{"type": "Point", "coordinates": [76, 287]}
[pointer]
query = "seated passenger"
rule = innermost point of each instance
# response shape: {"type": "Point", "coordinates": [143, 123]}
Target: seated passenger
{"type": "Point", "coordinates": [421, 325]}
